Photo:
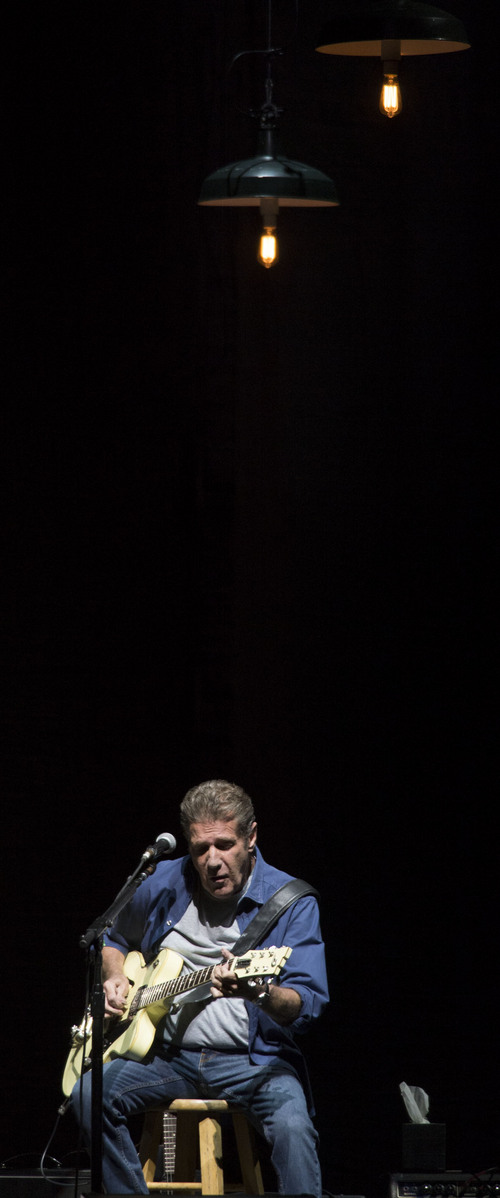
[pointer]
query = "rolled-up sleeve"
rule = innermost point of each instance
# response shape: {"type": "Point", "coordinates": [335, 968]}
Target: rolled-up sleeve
{"type": "Point", "coordinates": [305, 969]}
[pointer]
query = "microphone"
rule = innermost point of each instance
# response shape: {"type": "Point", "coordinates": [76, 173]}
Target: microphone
{"type": "Point", "coordinates": [165, 843]}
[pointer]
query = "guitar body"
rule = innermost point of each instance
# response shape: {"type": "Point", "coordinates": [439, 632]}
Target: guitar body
{"type": "Point", "coordinates": [153, 989]}
{"type": "Point", "coordinates": [124, 1037]}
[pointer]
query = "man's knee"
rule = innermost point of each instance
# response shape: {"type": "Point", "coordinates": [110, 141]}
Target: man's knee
{"type": "Point", "coordinates": [292, 1127]}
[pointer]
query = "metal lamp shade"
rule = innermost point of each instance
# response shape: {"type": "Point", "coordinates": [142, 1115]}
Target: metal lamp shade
{"type": "Point", "coordinates": [420, 28]}
{"type": "Point", "coordinates": [246, 183]}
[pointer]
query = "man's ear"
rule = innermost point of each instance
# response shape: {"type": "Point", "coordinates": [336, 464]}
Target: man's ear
{"type": "Point", "coordinates": [252, 839]}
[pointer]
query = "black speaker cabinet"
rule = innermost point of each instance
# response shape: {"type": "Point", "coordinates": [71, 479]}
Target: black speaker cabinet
{"type": "Point", "coordinates": [30, 1183]}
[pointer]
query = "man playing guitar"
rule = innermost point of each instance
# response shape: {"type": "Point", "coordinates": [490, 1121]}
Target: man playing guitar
{"type": "Point", "coordinates": [236, 1040]}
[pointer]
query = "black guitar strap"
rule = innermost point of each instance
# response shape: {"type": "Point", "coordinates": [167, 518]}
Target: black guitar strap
{"type": "Point", "coordinates": [269, 914]}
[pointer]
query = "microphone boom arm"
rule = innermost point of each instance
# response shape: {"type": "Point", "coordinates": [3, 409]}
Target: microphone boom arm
{"type": "Point", "coordinates": [165, 843]}
{"type": "Point", "coordinates": [92, 940]}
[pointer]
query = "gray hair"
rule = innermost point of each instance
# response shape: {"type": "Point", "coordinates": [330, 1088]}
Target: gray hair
{"type": "Point", "coordinates": [217, 800]}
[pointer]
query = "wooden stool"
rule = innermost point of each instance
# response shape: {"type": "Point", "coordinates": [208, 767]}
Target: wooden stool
{"type": "Point", "coordinates": [198, 1132]}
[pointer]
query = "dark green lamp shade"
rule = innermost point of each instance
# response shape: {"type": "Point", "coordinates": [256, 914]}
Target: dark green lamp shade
{"type": "Point", "coordinates": [360, 28]}
{"type": "Point", "coordinates": [293, 184]}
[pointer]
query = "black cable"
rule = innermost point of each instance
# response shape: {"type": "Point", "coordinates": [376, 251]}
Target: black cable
{"type": "Point", "coordinates": [66, 1103]}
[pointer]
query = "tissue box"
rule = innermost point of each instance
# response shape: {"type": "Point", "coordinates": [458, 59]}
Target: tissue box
{"type": "Point", "coordinates": [424, 1147]}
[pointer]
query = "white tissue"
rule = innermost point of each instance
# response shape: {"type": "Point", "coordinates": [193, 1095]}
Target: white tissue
{"type": "Point", "coordinates": [416, 1102]}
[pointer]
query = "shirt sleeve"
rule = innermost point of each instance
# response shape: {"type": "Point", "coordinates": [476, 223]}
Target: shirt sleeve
{"type": "Point", "coordinates": [305, 970]}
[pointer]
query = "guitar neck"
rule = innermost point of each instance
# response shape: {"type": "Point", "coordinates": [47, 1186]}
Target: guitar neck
{"type": "Point", "coordinates": [169, 1139]}
{"type": "Point", "coordinates": [148, 995]}
{"type": "Point", "coordinates": [265, 962]}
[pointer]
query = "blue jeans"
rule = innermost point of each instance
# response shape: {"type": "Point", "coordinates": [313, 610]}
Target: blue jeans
{"type": "Point", "coordinates": [271, 1095]}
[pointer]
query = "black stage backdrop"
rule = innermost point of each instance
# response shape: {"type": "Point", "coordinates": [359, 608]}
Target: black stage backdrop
{"type": "Point", "coordinates": [249, 533]}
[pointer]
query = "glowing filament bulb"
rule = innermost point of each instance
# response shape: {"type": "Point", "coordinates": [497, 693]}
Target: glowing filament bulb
{"type": "Point", "coordinates": [268, 247]}
{"type": "Point", "coordinates": [390, 96]}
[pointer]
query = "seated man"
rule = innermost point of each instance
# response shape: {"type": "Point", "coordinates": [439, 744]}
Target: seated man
{"type": "Point", "coordinates": [236, 1043]}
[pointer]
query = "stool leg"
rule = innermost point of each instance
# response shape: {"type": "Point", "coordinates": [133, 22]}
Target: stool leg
{"type": "Point", "coordinates": [251, 1172]}
{"type": "Point", "coordinates": [186, 1147]}
{"type": "Point", "coordinates": [150, 1143]}
{"type": "Point", "coordinates": [212, 1177]}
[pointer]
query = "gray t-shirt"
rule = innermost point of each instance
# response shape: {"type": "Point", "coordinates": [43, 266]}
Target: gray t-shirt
{"type": "Point", "coordinates": [206, 927]}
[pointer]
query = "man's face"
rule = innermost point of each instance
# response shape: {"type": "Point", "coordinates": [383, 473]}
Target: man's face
{"type": "Point", "coordinates": [221, 857]}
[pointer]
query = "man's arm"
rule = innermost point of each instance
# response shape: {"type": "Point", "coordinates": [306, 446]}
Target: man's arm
{"type": "Point", "coordinates": [115, 983]}
{"type": "Point", "coordinates": [282, 1003]}
{"type": "Point", "coordinates": [303, 993]}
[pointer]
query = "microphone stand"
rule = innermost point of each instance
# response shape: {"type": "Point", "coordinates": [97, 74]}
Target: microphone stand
{"type": "Point", "coordinates": [92, 941]}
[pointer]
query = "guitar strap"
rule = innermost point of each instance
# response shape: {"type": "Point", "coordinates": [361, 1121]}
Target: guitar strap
{"type": "Point", "coordinates": [269, 914]}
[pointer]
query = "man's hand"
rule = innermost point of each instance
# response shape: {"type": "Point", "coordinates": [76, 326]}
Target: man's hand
{"type": "Point", "coordinates": [116, 988]}
{"type": "Point", "coordinates": [282, 1003]}
{"type": "Point", "coordinates": [225, 984]}
{"type": "Point", "coordinates": [115, 983]}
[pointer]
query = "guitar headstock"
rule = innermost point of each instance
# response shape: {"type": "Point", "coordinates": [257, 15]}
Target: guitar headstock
{"type": "Point", "coordinates": [260, 962]}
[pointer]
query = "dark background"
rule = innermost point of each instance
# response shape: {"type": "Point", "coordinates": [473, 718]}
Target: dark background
{"type": "Point", "coordinates": [249, 532]}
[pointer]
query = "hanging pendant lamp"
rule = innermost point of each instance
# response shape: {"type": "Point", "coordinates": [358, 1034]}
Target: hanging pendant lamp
{"type": "Point", "coordinates": [390, 30]}
{"type": "Point", "coordinates": [269, 180]}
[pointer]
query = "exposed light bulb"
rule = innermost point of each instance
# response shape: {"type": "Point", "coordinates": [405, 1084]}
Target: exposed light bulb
{"type": "Point", "coordinates": [390, 103]}
{"type": "Point", "coordinates": [268, 247]}
{"type": "Point", "coordinates": [390, 96]}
